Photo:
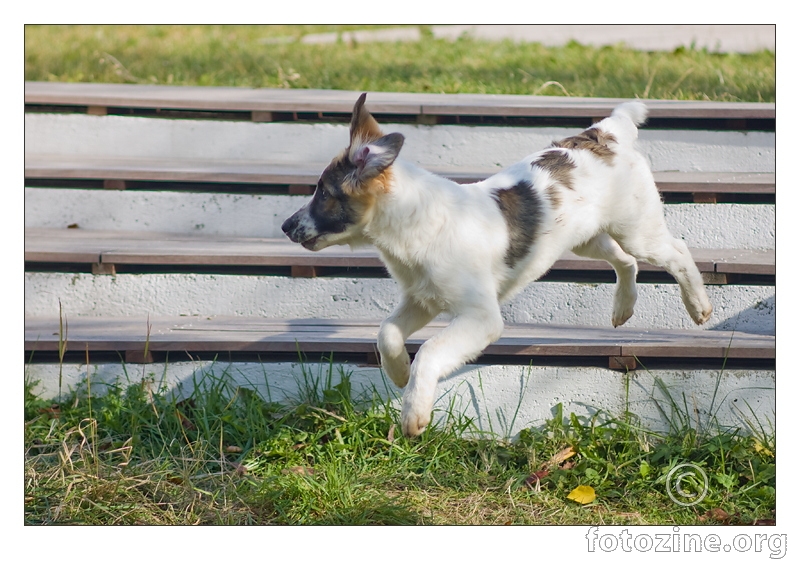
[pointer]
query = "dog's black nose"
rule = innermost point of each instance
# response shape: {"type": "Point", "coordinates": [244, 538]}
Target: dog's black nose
{"type": "Point", "coordinates": [289, 225]}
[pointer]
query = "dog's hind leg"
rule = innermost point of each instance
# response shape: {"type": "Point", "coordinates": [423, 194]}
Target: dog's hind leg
{"type": "Point", "coordinates": [462, 340]}
{"type": "Point", "coordinates": [657, 246]}
{"type": "Point", "coordinates": [603, 247]}
{"type": "Point", "coordinates": [406, 319]}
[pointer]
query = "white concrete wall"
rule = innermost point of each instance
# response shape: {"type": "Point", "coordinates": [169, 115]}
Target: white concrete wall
{"type": "Point", "coordinates": [499, 399]}
{"type": "Point", "coordinates": [700, 225]}
{"type": "Point", "coordinates": [440, 145]}
{"type": "Point", "coordinates": [744, 308]}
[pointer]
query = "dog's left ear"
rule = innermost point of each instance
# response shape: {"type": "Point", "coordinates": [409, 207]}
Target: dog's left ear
{"type": "Point", "coordinates": [373, 158]}
{"type": "Point", "coordinates": [363, 126]}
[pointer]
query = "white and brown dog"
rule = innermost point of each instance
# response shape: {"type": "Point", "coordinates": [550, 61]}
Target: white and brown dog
{"type": "Point", "coordinates": [464, 249]}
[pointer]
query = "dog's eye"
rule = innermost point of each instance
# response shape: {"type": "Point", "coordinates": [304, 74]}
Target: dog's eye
{"type": "Point", "coordinates": [324, 194]}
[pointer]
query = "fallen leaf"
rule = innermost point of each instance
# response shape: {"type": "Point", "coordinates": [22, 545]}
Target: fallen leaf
{"type": "Point", "coordinates": [533, 480]}
{"type": "Point", "coordinates": [716, 514]}
{"type": "Point", "coordinates": [233, 449]}
{"type": "Point", "coordinates": [562, 455]}
{"type": "Point", "coordinates": [239, 468]}
{"type": "Point", "coordinates": [765, 522]}
{"type": "Point", "coordinates": [184, 421]}
{"type": "Point", "coordinates": [390, 436]}
{"type": "Point", "coordinates": [53, 412]}
{"type": "Point", "coordinates": [583, 494]}
{"type": "Point", "coordinates": [304, 471]}
{"type": "Point", "coordinates": [760, 448]}
{"type": "Point", "coordinates": [73, 225]}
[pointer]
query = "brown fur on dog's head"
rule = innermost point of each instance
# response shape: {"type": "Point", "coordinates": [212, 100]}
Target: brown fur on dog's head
{"type": "Point", "coordinates": [348, 188]}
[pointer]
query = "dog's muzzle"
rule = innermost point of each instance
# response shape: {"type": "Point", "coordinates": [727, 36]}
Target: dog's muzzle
{"type": "Point", "coordinates": [297, 229]}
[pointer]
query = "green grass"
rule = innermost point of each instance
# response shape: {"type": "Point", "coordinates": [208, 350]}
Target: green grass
{"type": "Point", "coordinates": [134, 455]}
{"type": "Point", "coordinates": [250, 56]}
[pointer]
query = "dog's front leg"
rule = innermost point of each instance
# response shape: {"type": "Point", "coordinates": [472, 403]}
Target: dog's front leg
{"type": "Point", "coordinates": [462, 340]}
{"type": "Point", "coordinates": [406, 319]}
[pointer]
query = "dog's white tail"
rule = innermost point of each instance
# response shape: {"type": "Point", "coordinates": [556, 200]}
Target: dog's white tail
{"type": "Point", "coordinates": [624, 120]}
{"type": "Point", "coordinates": [636, 111]}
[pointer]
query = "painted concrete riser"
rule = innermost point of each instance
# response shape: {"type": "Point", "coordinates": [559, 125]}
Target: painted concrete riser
{"type": "Point", "coordinates": [445, 145]}
{"type": "Point", "coordinates": [209, 214]}
{"type": "Point", "coordinates": [744, 308]}
{"type": "Point", "coordinates": [502, 399]}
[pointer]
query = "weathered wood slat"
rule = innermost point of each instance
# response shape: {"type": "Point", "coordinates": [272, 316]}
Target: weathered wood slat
{"type": "Point", "coordinates": [335, 101]}
{"type": "Point", "coordinates": [151, 248]}
{"type": "Point", "coordinates": [228, 334]}
{"type": "Point", "coordinates": [186, 170]}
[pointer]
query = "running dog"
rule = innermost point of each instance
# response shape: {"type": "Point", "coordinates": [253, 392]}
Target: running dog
{"type": "Point", "coordinates": [464, 249]}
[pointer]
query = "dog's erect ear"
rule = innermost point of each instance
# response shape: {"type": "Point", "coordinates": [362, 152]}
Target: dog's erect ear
{"type": "Point", "coordinates": [363, 127]}
{"type": "Point", "coordinates": [373, 158]}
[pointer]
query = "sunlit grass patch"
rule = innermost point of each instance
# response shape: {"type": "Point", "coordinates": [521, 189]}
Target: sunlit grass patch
{"type": "Point", "coordinates": [252, 56]}
{"type": "Point", "coordinates": [135, 454]}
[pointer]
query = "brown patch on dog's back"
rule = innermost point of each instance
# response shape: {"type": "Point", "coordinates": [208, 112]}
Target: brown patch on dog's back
{"type": "Point", "coordinates": [558, 164]}
{"type": "Point", "coordinates": [521, 207]}
{"type": "Point", "coordinates": [593, 140]}
{"type": "Point", "coordinates": [553, 195]}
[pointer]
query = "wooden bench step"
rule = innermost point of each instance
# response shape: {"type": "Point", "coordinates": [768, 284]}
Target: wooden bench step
{"type": "Point", "coordinates": [261, 103]}
{"type": "Point", "coordinates": [232, 335]}
{"type": "Point", "coordinates": [122, 172]}
{"type": "Point", "coordinates": [81, 246]}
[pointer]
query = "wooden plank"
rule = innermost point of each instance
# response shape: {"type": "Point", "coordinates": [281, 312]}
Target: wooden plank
{"type": "Point", "coordinates": [206, 98]}
{"type": "Point", "coordinates": [706, 183]}
{"type": "Point", "coordinates": [153, 248]}
{"type": "Point", "coordinates": [216, 171]}
{"type": "Point", "coordinates": [338, 101]}
{"type": "Point", "coordinates": [230, 334]}
{"type": "Point", "coordinates": [745, 262]}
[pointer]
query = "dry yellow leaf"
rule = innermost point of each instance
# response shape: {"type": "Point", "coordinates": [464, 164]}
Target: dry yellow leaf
{"type": "Point", "coordinates": [562, 456]}
{"type": "Point", "coordinates": [583, 494]}
{"type": "Point", "coordinates": [760, 448]}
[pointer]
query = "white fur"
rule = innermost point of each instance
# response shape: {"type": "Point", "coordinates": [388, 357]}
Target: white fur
{"type": "Point", "coordinates": [446, 244]}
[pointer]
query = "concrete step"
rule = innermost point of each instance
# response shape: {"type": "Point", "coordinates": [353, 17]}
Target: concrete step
{"type": "Point", "coordinates": [546, 367]}
{"type": "Point", "coordinates": [736, 307]}
{"type": "Point", "coordinates": [445, 146]}
{"type": "Point", "coordinates": [729, 225]}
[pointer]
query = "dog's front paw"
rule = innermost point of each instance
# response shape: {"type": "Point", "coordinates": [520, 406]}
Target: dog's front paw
{"type": "Point", "coordinates": [415, 417]}
{"type": "Point", "coordinates": [703, 315]}
{"type": "Point", "coordinates": [619, 317]}
{"type": "Point", "coordinates": [699, 308]}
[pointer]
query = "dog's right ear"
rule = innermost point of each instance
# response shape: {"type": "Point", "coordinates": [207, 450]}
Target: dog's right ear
{"type": "Point", "coordinates": [363, 127]}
